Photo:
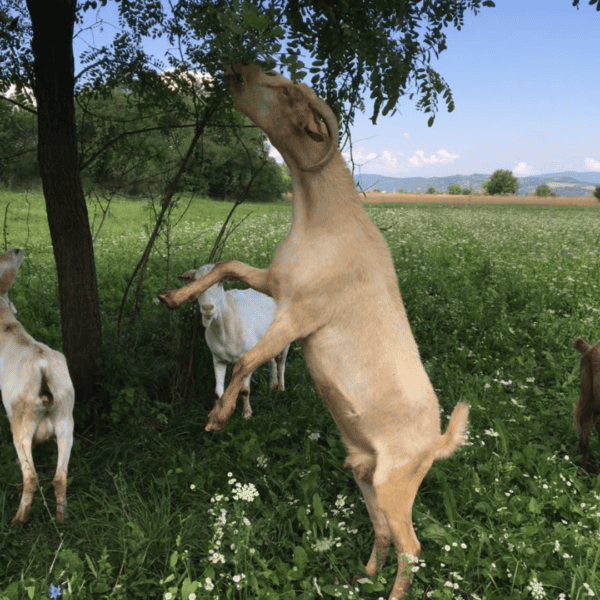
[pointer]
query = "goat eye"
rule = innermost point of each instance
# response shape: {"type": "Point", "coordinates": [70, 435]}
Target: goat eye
{"type": "Point", "coordinates": [285, 91]}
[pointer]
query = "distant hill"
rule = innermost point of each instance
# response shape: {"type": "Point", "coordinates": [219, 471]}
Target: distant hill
{"type": "Point", "coordinates": [568, 183]}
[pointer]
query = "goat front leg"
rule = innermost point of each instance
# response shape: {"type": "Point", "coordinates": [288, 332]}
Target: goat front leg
{"type": "Point", "coordinates": [281, 333]}
{"type": "Point", "coordinates": [230, 270]}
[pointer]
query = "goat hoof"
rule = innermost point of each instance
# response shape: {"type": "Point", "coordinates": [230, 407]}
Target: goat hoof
{"type": "Point", "coordinates": [167, 299]}
{"type": "Point", "coordinates": [214, 425]}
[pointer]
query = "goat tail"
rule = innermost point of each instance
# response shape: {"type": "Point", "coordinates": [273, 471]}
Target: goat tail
{"type": "Point", "coordinates": [45, 394]}
{"type": "Point", "coordinates": [581, 345]}
{"type": "Point", "coordinates": [456, 432]}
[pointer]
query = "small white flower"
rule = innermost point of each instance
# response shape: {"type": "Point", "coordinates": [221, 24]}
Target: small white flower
{"type": "Point", "coordinates": [208, 584]}
{"type": "Point", "coordinates": [314, 436]}
{"type": "Point", "coordinates": [447, 548]}
{"type": "Point", "coordinates": [536, 589]}
{"type": "Point", "coordinates": [168, 596]}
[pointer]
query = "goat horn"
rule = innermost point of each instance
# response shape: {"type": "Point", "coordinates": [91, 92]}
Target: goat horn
{"type": "Point", "coordinates": [322, 109]}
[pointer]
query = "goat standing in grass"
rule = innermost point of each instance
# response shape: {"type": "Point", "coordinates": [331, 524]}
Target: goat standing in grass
{"type": "Point", "coordinates": [336, 291]}
{"type": "Point", "coordinates": [235, 321]}
{"type": "Point", "coordinates": [37, 393]}
{"type": "Point", "coordinates": [587, 407]}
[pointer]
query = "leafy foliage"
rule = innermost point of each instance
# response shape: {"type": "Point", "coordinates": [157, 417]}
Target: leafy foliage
{"type": "Point", "coordinates": [384, 49]}
{"type": "Point", "coordinates": [544, 190]}
{"type": "Point", "coordinates": [454, 189]}
{"type": "Point", "coordinates": [501, 182]}
{"type": "Point", "coordinates": [18, 156]}
{"type": "Point", "coordinates": [591, 3]}
{"type": "Point", "coordinates": [596, 192]}
{"type": "Point", "coordinates": [431, 190]}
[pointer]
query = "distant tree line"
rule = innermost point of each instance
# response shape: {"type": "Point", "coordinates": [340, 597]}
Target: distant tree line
{"type": "Point", "coordinates": [132, 148]}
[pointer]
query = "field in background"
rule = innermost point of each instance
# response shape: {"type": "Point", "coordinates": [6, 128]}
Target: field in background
{"type": "Point", "coordinates": [159, 509]}
{"type": "Point", "coordinates": [373, 197]}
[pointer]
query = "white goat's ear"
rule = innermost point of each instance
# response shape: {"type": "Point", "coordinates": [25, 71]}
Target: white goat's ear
{"type": "Point", "coordinates": [187, 276]}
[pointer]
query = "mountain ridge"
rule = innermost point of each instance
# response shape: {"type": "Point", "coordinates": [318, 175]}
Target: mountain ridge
{"type": "Point", "coordinates": [565, 183]}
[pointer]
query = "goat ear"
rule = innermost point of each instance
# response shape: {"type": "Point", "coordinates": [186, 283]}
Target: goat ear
{"type": "Point", "coordinates": [7, 278]}
{"type": "Point", "coordinates": [317, 137]}
{"type": "Point", "coordinates": [187, 276]}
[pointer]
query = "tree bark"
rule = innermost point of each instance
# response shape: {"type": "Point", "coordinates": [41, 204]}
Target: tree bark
{"type": "Point", "coordinates": [54, 82]}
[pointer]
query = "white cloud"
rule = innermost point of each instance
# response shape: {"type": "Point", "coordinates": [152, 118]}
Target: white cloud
{"type": "Point", "coordinates": [523, 169]}
{"type": "Point", "coordinates": [591, 164]}
{"type": "Point", "coordinates": [443, 156]}
{"type": "Point", "coordinates": [389, 159]}
{"type": "Point", "coordinates": [406, 135]}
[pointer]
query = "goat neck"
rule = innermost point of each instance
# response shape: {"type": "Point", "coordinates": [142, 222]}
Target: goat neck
{"type": "Point", "coordinates": [325, 197]}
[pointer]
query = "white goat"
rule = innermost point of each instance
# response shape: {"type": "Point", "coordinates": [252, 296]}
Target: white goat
{"type": "Point", "coordinates": [37, 393]}
{"type": "Point", "coordinates": [235, 321]}
{"type": "Point", "coordinates": [337, 291]}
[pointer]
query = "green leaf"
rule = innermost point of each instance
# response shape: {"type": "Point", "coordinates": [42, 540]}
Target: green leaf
{"type": "Point", "coordinates": [300, 558]}
{"type": "Point", "coordinates": [318, 507]}
{"type": "Point", "coordinates": [174, 558]}
{"type": "Point", "coordinates": [188, 587]}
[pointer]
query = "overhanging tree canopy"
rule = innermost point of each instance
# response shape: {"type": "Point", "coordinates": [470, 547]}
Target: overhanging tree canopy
{"type": "Point", "coordinates": [383, 47]}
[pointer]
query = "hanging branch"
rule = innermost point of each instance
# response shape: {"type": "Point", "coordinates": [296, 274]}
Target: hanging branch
{"type": "Point", "coordinates": [219, 242]}
{"type": "Point", "coordinates": [165, 205]}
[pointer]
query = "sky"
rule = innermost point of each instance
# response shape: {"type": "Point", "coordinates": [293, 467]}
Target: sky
{"type": "Point", "coordinates": [525, 77]}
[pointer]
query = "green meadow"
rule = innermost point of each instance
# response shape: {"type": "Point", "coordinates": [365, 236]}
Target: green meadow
{"type": "Point", "coordinates": [159, 509]}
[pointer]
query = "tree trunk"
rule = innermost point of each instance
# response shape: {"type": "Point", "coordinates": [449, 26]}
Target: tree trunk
{"type": "Point", "coordinates": [53, 70]}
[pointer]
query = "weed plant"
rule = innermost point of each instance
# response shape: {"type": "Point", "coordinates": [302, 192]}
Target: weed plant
{"type": "Point", "coordinates": [160, 509]}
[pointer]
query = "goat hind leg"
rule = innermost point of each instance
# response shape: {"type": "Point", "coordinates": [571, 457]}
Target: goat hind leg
{"type": "Point", "coordinates": [383, 534]}
{"type": "Point", "coordinates": [395, 497]}
{"type": "Point", "coordinates": [584, 441]}
{"type": "Point", "coordinates": [230, 270]}
{"type": "Point", "coordinates": [23, 433]}
{"type": "Point", "coordinates": [281, 333]}
{"type": "Point", "coordinates": [64, 441]}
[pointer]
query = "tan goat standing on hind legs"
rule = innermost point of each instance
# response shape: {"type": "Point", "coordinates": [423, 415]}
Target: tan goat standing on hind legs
{"type": "Point", "coordinates": [337, 292]}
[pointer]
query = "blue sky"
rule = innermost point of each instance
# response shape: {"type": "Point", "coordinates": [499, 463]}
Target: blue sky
{"type": "Point", "coordinates": [525, 77]}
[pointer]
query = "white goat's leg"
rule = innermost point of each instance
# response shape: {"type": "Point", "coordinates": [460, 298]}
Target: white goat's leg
{"type": "Point", "coordinates": [245, 394]}
{"type": "Point", "coordinates": [230, 270]}
{"type": "Point", "coordinates": [280, 360]}
{"type": "Point", "coordinates": [64, 441]}
{"type": "Point", "coordinates": [281, 333]}
{"type": "Point", "coordinates": [220, 371]}
{"type": "Point", "coordinates": [23, 432]}
{"type": "Point", "coordinates": [273, 364]}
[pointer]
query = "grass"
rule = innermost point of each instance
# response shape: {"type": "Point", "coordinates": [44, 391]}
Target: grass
{"type": "Point", "coordinates": [264, 509]}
